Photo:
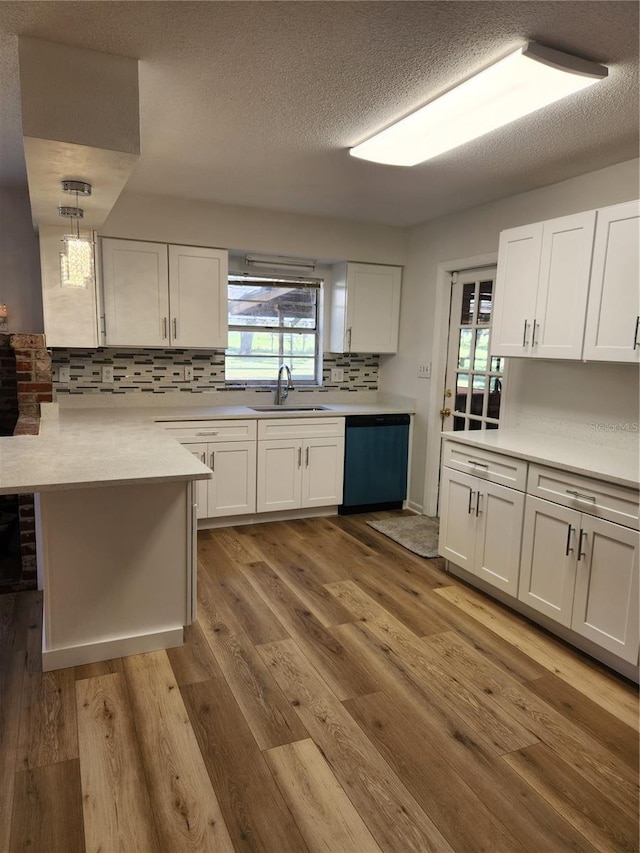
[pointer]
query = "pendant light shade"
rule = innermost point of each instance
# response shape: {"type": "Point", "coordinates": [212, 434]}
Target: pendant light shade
{"type": "Point", "coordinates": [526, 80]}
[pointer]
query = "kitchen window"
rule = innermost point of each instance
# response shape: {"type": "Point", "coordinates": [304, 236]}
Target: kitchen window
{"type": "Point", "coordinates": [273, 321]}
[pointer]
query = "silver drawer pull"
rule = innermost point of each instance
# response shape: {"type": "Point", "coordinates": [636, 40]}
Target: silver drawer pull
{"type": "Point", "coordinates": [580, 495]}
{"type": "Point", "coordinates": [206, 433]}
{"type": "Point", "coordinates": [478, 464]}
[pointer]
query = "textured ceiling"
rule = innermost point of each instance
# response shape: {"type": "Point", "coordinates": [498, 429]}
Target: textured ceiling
{"type": "Point", "coordinates": [256, 103]}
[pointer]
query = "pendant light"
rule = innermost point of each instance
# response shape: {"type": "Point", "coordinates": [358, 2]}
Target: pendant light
{"type": "Point", "coordinates": [76, 258]}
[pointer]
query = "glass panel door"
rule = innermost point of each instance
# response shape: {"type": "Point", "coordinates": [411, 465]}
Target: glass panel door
{"type": "Point", "coordinates": [474, 379]}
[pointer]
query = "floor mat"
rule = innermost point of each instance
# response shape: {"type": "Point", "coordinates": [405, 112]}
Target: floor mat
{"type": "Point", "coordinates": [417, 533]}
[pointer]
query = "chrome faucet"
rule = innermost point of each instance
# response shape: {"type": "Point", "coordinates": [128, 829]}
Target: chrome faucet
{"type": "Point", "coordinates": [282, 391]}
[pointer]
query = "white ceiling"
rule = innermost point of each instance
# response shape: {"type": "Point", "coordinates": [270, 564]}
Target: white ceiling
{"type": "Point", "coordinates": [256, 103]}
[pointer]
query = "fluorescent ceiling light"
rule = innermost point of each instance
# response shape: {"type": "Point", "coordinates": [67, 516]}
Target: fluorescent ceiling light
{"type": "Point", "coordinates": [524, 81]}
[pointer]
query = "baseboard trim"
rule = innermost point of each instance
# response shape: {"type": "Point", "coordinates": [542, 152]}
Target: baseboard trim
{"type": "Point", "coordinates": [107, 649]}
{"type": "Point", "coordinates": [260, 517]}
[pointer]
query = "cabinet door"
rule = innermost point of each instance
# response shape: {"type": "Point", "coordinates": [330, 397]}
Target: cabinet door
{"type": "Point", "coordinates": [373, 308]}
{"type": "Point", "coordinates": [499, 536]}
{"type": "Point", "coordinates": [279, 475]}
{"type": "Point", "coordinates": [457, 538]}
{"type": "Point", "coordinates": [612, 332]}
{"type": "Point", "coordinates": [232, 491]}
{"type": "Point", "coordinates": [201, 486]}
{"type": "Point", "coordinates": [198, 297]}
{"type": "Point", "coordinates": [549, 553]}
{"type": "Point", "coordinates": [136, 295]}
{"type": "Point", "coordinates": [322, 471]}
{"type": "Point", "coordinates": [515, 291]}
{"type": "Point", "coordinates": [605, 606]}
{"type": "Point", "coordinates": [561, 305]}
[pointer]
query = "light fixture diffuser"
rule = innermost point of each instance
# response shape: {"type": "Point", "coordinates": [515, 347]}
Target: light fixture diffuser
{"type": "Point", "coordinates": [526, 80]}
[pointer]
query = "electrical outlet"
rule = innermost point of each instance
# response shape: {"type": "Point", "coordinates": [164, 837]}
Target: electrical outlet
{"type": "Point", "coordinates": [337, 374]}
{"type": "Point", "coordinates": [107, 374]}
{"type": "Point", "coordinates": [64, 373]}
{"type": "Point", "coordinates": [187, 372]}
{"type": "Point", "coordinates": [424, 370]}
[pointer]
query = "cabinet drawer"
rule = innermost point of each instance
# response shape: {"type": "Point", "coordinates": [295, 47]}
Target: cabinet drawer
{"type": "Point", "coordinates": [495, 467]}
{"type": "Point", "coordinates": [189, 432]}
{"type": "Point", "coordinates": [594, 497]}
{"type": "Point", "coordinates": [300, 428]}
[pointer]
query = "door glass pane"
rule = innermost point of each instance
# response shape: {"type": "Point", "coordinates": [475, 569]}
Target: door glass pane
{"type": "Point", "coordinates": [495, 392]}
{"type": "Point", "coordinates": [464, 348]}
{"type": "Point", "coordinates": [482, 349]}
{"type": "Point", "coordinates": [485, 301]}
{"type": "Point", "coordinates": [468, 303]}
{"type": "Point", "coordinates": [477, 396]}
{"type": "Point", "coordinates": [462, 385]}
{"type": "Point", "coordinates": [497, 364]}
{"type": "Point", "coordinates": [458, 424]}
{"type": "Point", "coordinates": [475, 424]}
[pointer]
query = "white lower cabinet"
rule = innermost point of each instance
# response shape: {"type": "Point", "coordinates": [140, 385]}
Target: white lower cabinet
{"type": "Point", "coordinates": [228, 448]}
{"type": "Point", "coordinates": [302, 468]}
{"type": "Point", "coordinates": [567, 549]}
{"type": "Point", "coordinates": [480, 528]}
{"type": "Point", "coordinates": [582, 572]}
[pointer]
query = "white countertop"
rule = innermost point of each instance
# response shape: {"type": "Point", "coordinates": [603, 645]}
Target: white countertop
{"type": "Point", "coordinates": [621, 467]}
{"type": "Point", "coordinates": [86, 447]}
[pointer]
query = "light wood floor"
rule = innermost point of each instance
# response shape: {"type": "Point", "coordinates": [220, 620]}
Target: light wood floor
{"type": "Point", "coordinates": [337, 694]}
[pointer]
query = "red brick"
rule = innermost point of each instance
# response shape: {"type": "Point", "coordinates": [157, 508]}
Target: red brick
{"type": "Point", "coordinates": [28, 342]}
{"type": "Point", "coordinates": [34, 387]}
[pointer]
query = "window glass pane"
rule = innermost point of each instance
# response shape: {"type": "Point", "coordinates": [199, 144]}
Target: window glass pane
{"type": "Point", "coordinates": [482, 349]}
{"type": "Point", "coordinates": [265, 368]}
{"type": "Point", "coordinates": [272, 306]}
{"type": "Point", "coordinates": [485, 302]}
{"type": "Point", "coordinates": [464, 348]}
{"type": "Point", "coordinates": [468, 303]}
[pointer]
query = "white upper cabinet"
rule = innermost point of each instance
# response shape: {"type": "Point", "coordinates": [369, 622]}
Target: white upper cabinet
{"type": "Point", "coordinates": [612, 332]}
{"type": "Point", "coordinates": [135, 280]}
{"type": "Point", "coordinates": [164, 296]}
{"type": "Point", "coordinates": [198, 297]}
{"type": "Point", "coordinates": [541, 288]}
{"type": "Point", "coordinates": [70, 313]}
{"type": "Point", "coordinates": [365, 308]}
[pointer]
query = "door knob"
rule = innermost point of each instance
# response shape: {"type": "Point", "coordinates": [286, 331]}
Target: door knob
{"type": "Point", "coordinates": [445, 412]}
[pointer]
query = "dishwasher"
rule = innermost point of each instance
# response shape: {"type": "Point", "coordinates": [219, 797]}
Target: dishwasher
{"type": "Point", "coordinates": [375, 462]}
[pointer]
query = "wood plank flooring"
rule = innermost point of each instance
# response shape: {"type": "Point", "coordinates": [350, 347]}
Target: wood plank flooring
{"type": "Point", "coordinates": [338, 694]}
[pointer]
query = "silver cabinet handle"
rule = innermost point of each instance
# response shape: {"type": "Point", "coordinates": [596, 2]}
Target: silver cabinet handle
{"type": "Point", "coordinates": [203, 457]}
{"type": "Point", "coordinates": [478, 464]}
{"type": "Point", "coordinates": [164, 328]}
{"type": "Point", "coordinates": [213, 461]}
{"type": "Point", "coordinates": [524, 335]}
{"type": "Point", "coordinates": [635, 334]}
{"type": "Point", "coordinates": [206, 433]}
{"type": "Point", "coordinates": [306, 457]}
{"type": "Point", "coordinates": [175, 328]}
{"type": "Point", "coordinates": [580, 495]}
{"type": "Point", "coordinates": [471, 494]}
{"type": "Point", "coordinates": [299, 457]}
{"type": "Point", "coordinates": [568, 550]}
{"type": "Point", "coordinates": [478, 510]}
{"type": "Point", "coordinates": [533, 336]}
{"type": "Point", "coordinates": [349, 330]}
{"type": "Point", "coordinates": [581, 553]}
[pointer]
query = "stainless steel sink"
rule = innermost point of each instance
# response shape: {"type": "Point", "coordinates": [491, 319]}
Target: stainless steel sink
{"type": "Point", "coordinates": [285, 409]}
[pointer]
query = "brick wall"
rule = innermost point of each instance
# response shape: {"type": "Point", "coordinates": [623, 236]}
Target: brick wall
{"type": "Point", "coordinates": [33, 386]}
{"type": "Point", "coordinates": [8, 387]}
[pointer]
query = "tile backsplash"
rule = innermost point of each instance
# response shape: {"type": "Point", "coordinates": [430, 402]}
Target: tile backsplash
{"type": "Point", "coordinates": [162, 371]}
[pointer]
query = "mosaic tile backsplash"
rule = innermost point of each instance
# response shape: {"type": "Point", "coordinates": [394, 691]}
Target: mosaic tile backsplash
{"type": "Point", "coordinates": [162, 372]}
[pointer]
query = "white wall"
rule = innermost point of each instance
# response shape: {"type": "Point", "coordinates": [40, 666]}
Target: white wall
{"type": "Point", "coordinates": [174, 220]}
{"type": "Point", "coordinates": [471, 233]}
{"type": "Point", "coordinates": [20, 285]}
